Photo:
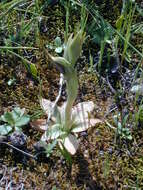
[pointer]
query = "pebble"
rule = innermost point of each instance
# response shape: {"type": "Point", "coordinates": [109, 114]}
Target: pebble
{"type": "Point", "coordinates": [86, 153]}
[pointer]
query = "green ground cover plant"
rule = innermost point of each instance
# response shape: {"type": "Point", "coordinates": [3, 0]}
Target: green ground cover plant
{"type": "Point", "coordinates": [13, 121]}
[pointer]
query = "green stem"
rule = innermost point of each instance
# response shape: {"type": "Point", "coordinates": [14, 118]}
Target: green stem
{"type": "Point", "coordinates": [72, 90]}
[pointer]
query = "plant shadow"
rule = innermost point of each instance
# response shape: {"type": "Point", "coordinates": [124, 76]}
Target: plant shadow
{"type": "Point", "coordinates": [84, 177]}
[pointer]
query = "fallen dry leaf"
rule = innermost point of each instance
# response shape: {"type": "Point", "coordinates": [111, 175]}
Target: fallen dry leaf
{"type": "Point", "coordinates": [93, 121]}
{"type": "Point", "coordinates": [39, 124]}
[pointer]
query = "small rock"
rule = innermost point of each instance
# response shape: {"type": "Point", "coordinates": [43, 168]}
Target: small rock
{"type": "Point", "coordinates": [38, 146]}
{"type": "Point", "coordinates": [18, 139]}
{"type": "Point", "coordinates": [3, 138]}
{"type": "Point", "coordinates": [86, 153]}
{"type": "Point", "coordinates": [101, 153]}
{"type": "Point", "coordinates": [110, 150]}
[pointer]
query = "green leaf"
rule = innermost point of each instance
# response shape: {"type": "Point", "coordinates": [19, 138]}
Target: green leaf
{"type": "Point", "coordinates": [11, 81]}
{"type": "Point", "coordinates": [55, 131]}
{"type": "Point", "coordinates": [129, 137]}
{"type": "Point", "coordinates": [85, 124]}
{"type": "Point", "coordinates": [54, 188]}
{"type": "Point", "coordinates": [22, 121]}
{"type": "Point", "coordinates": [65, 153]}
{"type": "Point", "coordinates": [61, 61]}
{"type": "Point", "coordinates": [57, 41]}
{"type": "Point", "coordinates": [120, 128]}
{"type": "Point", "coordinates": [16, 117]}
{"type": "Point", "coordinates": [18, 129]}
{"type": "Point", "coordinates": [5, 129]}
{"type": "Point", "coordinates": [137, 89]}
{"type": "Point", "coordinates": [70, 143]}
{"type": "Point", "coordinates": [49, 148]}
{"type": "Point", "coordinates": [119, 22]}
{"type": "Point", "coordinates": [59, 49]}
{"type": "Point", "coordinates": [115, 118]}
{"type": "Point", "coordinates": [137, 28]}
{"type": "Point", "coordinates": [50, 46]}
{"type": "Point", "coordinates": [124, 120]}
{"type": "Point", "coordinates": [17, 113]}
{"type": "Point", "coordinates": [82, 110]}
{"type": "Point", "coordinates": [48, 106]}
{"type": "Point", "coordinates": [7, 117]}
{"type": "Point", "coordinates": [73, 47]}
{"type": "Point", "coordinates": [33, 70]}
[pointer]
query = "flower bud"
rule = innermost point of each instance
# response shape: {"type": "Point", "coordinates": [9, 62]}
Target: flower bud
{"type": "Point", "coordinates": [73, 47]}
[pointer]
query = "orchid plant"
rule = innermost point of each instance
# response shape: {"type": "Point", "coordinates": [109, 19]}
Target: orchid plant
{"type": "Point", "coordinates": [63, 122]}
